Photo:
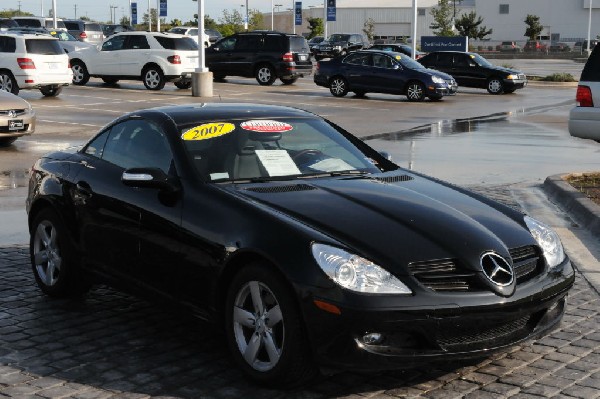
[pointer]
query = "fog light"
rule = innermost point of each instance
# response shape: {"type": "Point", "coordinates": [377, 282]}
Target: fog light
{"type": "Point", "coordinates": [372, 338]}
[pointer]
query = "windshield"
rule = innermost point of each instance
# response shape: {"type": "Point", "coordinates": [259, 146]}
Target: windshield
{"type": "Point", "coordinates": [407, 62]}
{"type": "Point", "coordinates": [481, 61]}
{"type": "Point", "coordinates": [287, 148]}
{"type": "Point", "coordinates": [43, 46]}
{"type": "Point", "coordinates": [63, 36]}
{"type": "Point", "coordinates": [179, 31]}
{"type": "Point", "coordinates": [339, 38]}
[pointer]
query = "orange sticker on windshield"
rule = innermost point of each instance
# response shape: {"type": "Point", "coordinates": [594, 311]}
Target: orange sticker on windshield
{"type": "Point", "coordinates": [208, 131]}
{"type": "Point", "coordinates": [266, 126]}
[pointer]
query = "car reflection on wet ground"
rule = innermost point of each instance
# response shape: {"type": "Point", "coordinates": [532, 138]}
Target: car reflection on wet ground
{"type": "Point", "coordinates": [490, 150]}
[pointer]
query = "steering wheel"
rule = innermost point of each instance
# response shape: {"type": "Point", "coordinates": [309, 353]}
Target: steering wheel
{"type": "Point", "coordinates": [309, 151]}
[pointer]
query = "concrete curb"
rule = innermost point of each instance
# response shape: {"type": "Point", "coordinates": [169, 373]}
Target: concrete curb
{"type": "Point", "coordinates": [583, 210]}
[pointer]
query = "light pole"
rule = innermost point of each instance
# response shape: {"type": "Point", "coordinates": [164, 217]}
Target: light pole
{"type": "Point", "coordinates": [246, 22]}
{"type": "Point", "coordinates": [202, 78]}
{"type": "Point", "coordinates": [414, 30]}
{"type": "Point", "coordinates": [54, 24]}
{"type": "Point", "coordinates": [589, 29]}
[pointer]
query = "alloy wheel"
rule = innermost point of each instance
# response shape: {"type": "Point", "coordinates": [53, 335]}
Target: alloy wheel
{"type": "Point", "coordinates": [495, 86]}
{"type": "Point", "coordinates": [258, 326]}
{"type": "Point", "coordinates": [6, 83]}
{"type": "Point", "coordinates": [338, 87]}
{"type": "Point", "coordinates": [152, 78]}
{"type": "Point", "coordinates": [46, 253]}
{"type": "Point", "coordinates": [415, 92]}
{"type": "Point", "coordinates": [264, 75]}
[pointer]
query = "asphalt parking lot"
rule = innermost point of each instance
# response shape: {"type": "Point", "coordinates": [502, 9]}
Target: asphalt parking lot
{"type": "Point", "coordinates": [111, 345]}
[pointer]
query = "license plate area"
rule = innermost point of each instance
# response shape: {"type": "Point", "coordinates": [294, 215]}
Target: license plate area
{"type": "Point", "coordinates": [16, 124]}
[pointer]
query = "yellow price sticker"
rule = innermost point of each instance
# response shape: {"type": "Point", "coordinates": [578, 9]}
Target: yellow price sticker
{"type": "Point", "coordinates": [208, 131]}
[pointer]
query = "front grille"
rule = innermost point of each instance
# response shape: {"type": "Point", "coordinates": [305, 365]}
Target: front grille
{"type": "Point", "coordinates": [17, 112]}
{"type": "Point", "coordinates": [526, 263]}
{"type": "Point", "coordinates": [394, 179]}
{"type": "Point", "coordinates": [522, 76]}
{"type": "Point", "coordinates": [444, 275]}
{"type": "Point", "coordinates": [475, 336]}
{"type": "Point", "coordinates": [281, 189]}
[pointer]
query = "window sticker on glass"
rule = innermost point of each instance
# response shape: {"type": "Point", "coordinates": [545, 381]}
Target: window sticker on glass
{"type": "Point", "coordinates": [331, 165]}
{"type": "Point", "coordinates": [266, 126]}
{"type": "Point", "coordinates": [398, 57]}
{"type": "Point", "coordinates": [277, 162]}
{"type": "Point", "coordinates": [208, 131]}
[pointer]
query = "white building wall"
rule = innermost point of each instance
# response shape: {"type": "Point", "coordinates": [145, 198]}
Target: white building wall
{"type": "Point", "coordinates": [568, 18]}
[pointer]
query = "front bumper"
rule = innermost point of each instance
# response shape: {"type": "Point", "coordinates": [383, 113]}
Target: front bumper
{"type": "Point", "coordinates": [515, 83]}
{"type": "Point", "coordinates": [458, 327]}
{"type": "Point", "coordinates": [25, 125]}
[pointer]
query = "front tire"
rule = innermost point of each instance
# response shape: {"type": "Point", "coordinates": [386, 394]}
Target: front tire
{"type": "Point", "coordinates": [8, 83]}
{"type": "Point", "coordinates": [338, 86]}
{"type": "Point", "coordinates": [264, 329]}
{"type": "Point", "coordinates": [80, 73]}
{"type": "Point", "coordinates": [415, 91]}
{"type": "Point", "coordinates": [183, 84]}
{"type": "Point", "coordinates": [265, 75]}
{"type": "Point", "coordinates": [5, 142]}
{"type": "Point", "coordinates": [53, 259]}
{"type": "Point", "coordinates": [51, 91]}
{"type": "Point", "coordinates": [495, 86]}
{"type": "Point", "coordinates": [153, 78]}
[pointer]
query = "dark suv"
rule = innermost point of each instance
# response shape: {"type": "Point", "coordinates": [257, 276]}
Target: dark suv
{"type": "Point", "coordinates": [265, 55]}
{"type": "Point", "coordinates": [472, 70]}
{"type": "Point", "coordinates": [339, 44]}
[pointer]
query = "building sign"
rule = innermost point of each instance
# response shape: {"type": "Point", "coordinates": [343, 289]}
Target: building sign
{"type": "Point", "coordinates": [298, 13]}
{"type": "Point", "coordinates": [441, 43]}
{"type": "Point", "coordinates": [162, 5]}
{"type": "Point", "coordinates": [133, 13]}
{"type": "Point", "coordinates": [330, 10]}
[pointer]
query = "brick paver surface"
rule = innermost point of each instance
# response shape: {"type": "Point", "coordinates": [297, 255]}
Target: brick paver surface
{"type": "Point", "coordinates": [112, 345]}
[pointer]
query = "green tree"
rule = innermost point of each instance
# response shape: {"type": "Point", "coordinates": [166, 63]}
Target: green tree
{"type": "Point", "coordinates": [256, 20]}
{"type": "Point", "coordinates": [534, 28]}
{"type": "Point", "coordinates": [469, 25]}
{"type": "Point", "coordinates": [442, 15]}
{"type": "Point", "coordinates": [14, 13]}
{"type": "Point", "coordinates": [124, 20]}
{"type": "Point", "coordinates": [315, 26]}
{"type": "Point", "coordinates": [84, 18]}
{"type": "Point", "coordinates": [369, 29]}
{"type": "Point", "coordinates": [176, 22]}
{"type": "Point", "coordinates": [231, 22]}
{"type": "Point", "coordinates": [209, 23]}
{"type": "Point", "coordinates": [153, 16]}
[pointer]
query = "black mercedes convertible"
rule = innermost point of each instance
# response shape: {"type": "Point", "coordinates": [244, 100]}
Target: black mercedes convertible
{"type": "Point", "coordinates": [304, 244]}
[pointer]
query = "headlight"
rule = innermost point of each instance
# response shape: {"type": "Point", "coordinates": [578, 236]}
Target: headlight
{"type": "Point", "coordinates": [338, 48]}
{"type": "Point", "coordinates": [356, 273]}
{"type": "Point", "coordinates": [512, 77]}
{"type": "Point", "coordinates": [437, 79]}
{"type": "Point", "coordinates": [548, 240]}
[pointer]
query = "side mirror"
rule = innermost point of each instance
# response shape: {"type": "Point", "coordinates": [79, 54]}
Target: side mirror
{"type": "Point", "coordinates": [149, 178]}
{"type": "Point", "coordinates": [397, 67]}
{"type": "Point", "coordinates": [386, 155]}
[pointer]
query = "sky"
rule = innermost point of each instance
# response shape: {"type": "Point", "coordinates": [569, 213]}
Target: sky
{"type": "Point", "coordinates": [99, 10]}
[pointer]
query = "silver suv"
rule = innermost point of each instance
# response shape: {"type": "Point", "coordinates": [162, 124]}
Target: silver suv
{"type": "Point", "coordinates": [584, 119]}
{"type": "Point", "coordinates": [33, 61]}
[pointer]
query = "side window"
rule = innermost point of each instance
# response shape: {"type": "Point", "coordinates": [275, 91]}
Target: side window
{"type": "Point", "coordinates": [358, 59]}
{"type": "Point", "coordinates": [136, 42]}
{"type": "Point", "coordinates": [460, 60]}
{"type": "Point", "coordinates": [115, 43]}
{"type": "Point", "coordinates": [7, 44]}
{"type": "Point", "coordinates": [444, 60]}
{"type": "Point", "coordinates": [96, 147]}
{"type": "Point", "coordinates": [274, 43]}
{"type": "Point", "coordinates": [382, 61]}
{"type": "Point", "coordinates": [227, 44]}
{"type": "Point", "coordinates": [249, 42]}
{"type": "Point", "coordinates": [138, 143]}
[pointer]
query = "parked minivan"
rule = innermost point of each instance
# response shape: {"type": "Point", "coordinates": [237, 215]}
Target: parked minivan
{"type": "Point", "coordinates": [265, 55]}
{"type": "Point", "coordinates": [85, 31]}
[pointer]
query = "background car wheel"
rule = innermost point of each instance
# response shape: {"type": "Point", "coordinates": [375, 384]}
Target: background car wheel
{"type": "Point", "coordinates": [264, 329]}
{"type": "Point", "coordinates": [436, 98]}
{"type": "Point", "coordinates": [153, 78]}
{"type": "Point", "coordinates": [4, 142]}
{"type": "Point", "coordinates": [183, 84]}
{"type": "Point", "coordinates": [495, 86]}
{"type": "Point", "coordinates": [80, 73]}
{"type": "Point", "coordinates": [110, 81]}
{"type": "Point", "coordinates": [415, 91]}
{"type": "Point", "coordinates": [51, 91]}
{"type": "Point", "coordinates": [338, 86]}
{"type": "Point", "coordinates": [359, 93]}
{"type": "Point", "coordinates": [288, 81]}
{"type": "Point", "coordinates": [265, 75]}
{"type": "Point", "coordinates": [53, 258]}
{"type": "Point", "coordinates": [8, 83]}
{"type": "Point", "coordinates": [219, 78]}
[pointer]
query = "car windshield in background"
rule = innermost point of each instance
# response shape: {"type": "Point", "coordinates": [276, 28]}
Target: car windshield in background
{"type": "Point", "coordinates": [407, 62]}
{"type": "Point", "coordinates": [298, 44]}
{"type": "Point", "coordinates": [271, 149]}
{"type": "Point", "coordinates": [177, 43]}
{"type": "Point", "coordinates": [481, 61]}
{"type": "Point", "coordinates": [63, 36]}
{"type": "Point", "coordinates": [43, 46]}
{"type": "Point", "coordinates": [339, 38]}
{"type": "Point", "coordinates": [59, 24]}
{"type": "Point", "coordinates": [179, 31]}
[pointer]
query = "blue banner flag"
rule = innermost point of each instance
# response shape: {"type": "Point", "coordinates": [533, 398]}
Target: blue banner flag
{"type": "Point", "coordinates": [330, 10]}
{"type": "Point", "coordinates": [298, 13]}
{"type": "Point", "coordinates": [133, 13]}
{"type": "Point", "coordinates": [163, 8]}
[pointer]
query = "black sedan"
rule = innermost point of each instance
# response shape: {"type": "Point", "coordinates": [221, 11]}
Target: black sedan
{"type": "Point", "coordinates": [472, 70]}
{"type": "Point", "coordinates": [398, 48]}
{"type": "Point", "coordinates": [382, 72]}
{"type": "Point", "coordinates": [307, 246]}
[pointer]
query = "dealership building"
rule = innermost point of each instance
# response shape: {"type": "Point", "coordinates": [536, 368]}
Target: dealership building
{"type": "Point", "coordinates": [564, 20]}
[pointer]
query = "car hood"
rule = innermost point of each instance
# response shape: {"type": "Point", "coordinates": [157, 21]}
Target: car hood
{"type": "Point", "coordinates": [508, 71]}
{"type": "Point", "coordinates": [413, 220]}
{"type": "Point", "coordinates": [442, 75]}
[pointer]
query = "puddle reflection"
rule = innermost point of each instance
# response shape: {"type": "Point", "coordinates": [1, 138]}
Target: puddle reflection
{"type": "Point", "coordinates": [13, 179]}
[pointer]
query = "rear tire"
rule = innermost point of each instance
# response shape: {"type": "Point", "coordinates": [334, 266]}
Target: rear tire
{"type": "Point", "coordinates": [183, 84]}
{"type": "Point", "coordinates": [54, 262]}
{"type": "Point", "coordinates": [8, 83]}
{"type": "Point", "coordinates": [51, 91]}
{"type": "Point", "coordinates": [265, 75]}
{"type": "Point", "coordinates": [288, 81]}
{"type": "Point", "coordinates": [110, 81]}
{"type": "Point", "coordinates": [338, 86]}
{"type": "Point", "coordinates": [153, 78]}
{"type": "Point", "coordinates": [264, 329]}
{"type": "Point", "coordinates": [80, 73]}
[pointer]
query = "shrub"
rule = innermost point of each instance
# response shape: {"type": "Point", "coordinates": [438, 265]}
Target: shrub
{"type": "Point", "coordinates": [559, 77]}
